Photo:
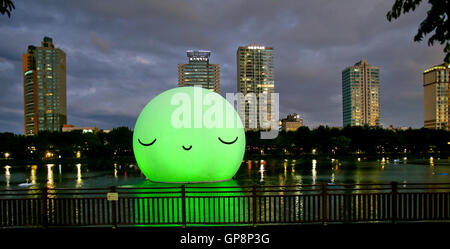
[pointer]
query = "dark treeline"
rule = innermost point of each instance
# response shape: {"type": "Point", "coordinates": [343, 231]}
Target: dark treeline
{"type": "Point", "coordinates": [321, 140]}
{"type": "Point", "coordinates": [352, 140]}
{"type": "Point", "coordinates": [55, 145]}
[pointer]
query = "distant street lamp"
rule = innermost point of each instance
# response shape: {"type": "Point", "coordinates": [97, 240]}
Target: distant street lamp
{"type": "Point", "coordinates": [48, 154]}
{"type": "Point", "coordinates": [7, 155]}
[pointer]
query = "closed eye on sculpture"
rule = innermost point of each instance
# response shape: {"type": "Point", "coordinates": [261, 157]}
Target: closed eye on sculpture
{"type": "Point", "coordinates": [232, 142]}
{"type": "Point", "coordinates": [144, 144]}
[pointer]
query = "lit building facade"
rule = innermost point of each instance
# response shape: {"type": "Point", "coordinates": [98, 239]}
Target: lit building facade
{"type": "Point", "coordinates": [360, 94]}
{"type": "Point", "coordinates": [255, 75]}
{"type": "Point", "coordinates": [199, 72]}
{"type": "Point", "coordinates": [436, 96]}
{"type": "Point", "coordinates": [291, 123]}
{"type": "Point", "coordinates": [44, 77]}
{"type": "Point", "coordinates": [69, 128]}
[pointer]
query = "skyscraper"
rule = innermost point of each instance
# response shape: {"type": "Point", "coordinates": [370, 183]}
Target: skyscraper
{"type": "Point", "coordinates": [199, 71]}
{"type": "Point", "coordinates": [360, 94]}
{"type": "Point", "coordinates": [255, 75]}
{"type": "Point", "coordinates": [44, 81]}
{"type": "Point", "coordinates": [436, 89]}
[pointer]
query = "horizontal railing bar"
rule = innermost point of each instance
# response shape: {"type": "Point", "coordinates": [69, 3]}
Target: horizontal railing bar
{"type": "Point", "coordinates": [19, 194]}
{"type": "Point", "coordinates": [77, 189]}
{"type": "Point", "coordinates": [20, 189]}
{"type": "Point", "coordinates": [76, 194]}
{"type": "Point", "coordinates": [142, 193]}
{"type": "Point", "coordinates": [148, 187]}
{"type": "Point", "coordinates": [400, 186]}
{"type": "Point", "coordinates": [77, 198]}
{"type": "Point", "coordinates": [357, 189]}
{"type": "Point", "coordinates": [423, 188]}
{"type": "Point", "coordinates": [218, 192]}
{"type": "Point", "coordinates": [430, 183]}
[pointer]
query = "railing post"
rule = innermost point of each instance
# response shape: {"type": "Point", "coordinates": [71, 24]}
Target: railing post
{"type": "Point", "coordinates": [394, 186]}
{"type": "Point", "coordinates": [44, 204]}
{"type": "Point", "coordinates": [183, 205]}
{"type": "Point", "coordinates": [113, 209]}
{"type": "Point", "coordinates": [254, 204]}
{"type": "Point", "coordinates": [324, 204]}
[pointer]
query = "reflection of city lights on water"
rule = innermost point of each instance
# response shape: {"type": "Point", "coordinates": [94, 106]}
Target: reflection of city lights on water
{"type": "Point", "coordinates": [50, 175]}
{"type": "Point", "coordinates": [285, 168]}
{"type": "Point", "coordinates": [431, 161]}
{"type": "Point", "coordinates": [7, 178]}
{"type": "Point", "coordinates": [383, 162]}
{"type": "Point", "coordinates": [79, 181]}
{"type": "Point", "coordinates": [314, 175]}
{"type": "Point", "coordinates": [314, 171]}
{"type": "Point", "coordinates": [332, 178]}
{"type": "Point", "coordinates": [336, 168]}
{"type": "Point", "coordinates": [33, 174]}
{"type": "Point", "coordinates": [115, 170]}
{"type": "Point", "coordinates": [261, 170]}
{"type": "Point", "coordinates": [7, 173]}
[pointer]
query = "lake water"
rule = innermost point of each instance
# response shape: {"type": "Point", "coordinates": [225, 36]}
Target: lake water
{"type": "Point", "coordinates": [267, 171]}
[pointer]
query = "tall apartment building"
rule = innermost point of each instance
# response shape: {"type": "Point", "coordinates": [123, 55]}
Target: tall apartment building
{"type": "Point", "coordinates": [199, 71]}
{"type": "Point", "coordinates": [255, 75]}
{"type": "Point", "coordinates": [436, 96]}
{"type": "Point", "coordinates": [360, 94]}
{"type": "Point", "coordinates": [44, 81]}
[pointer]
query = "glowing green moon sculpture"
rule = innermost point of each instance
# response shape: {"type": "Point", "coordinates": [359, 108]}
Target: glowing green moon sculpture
{"type": "Point", "coordinates": [189, 134]}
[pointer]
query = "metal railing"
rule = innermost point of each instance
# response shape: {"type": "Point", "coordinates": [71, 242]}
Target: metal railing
{"type": "Point", "coordinates": [234, 205]}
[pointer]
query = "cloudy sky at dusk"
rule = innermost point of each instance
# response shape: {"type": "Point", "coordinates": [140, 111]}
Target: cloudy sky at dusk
{"type": "Point", "coordinates": [120, 54]}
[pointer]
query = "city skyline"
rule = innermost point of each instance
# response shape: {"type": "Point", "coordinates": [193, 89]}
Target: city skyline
{"type": "Point", "coordinates": [360, 94]}
{"type": "Point", "coordinates": [255, 77]}
{"type": "Point", "coordinates": [436, 87]}
{"type": "Point", "coordinates": [199, 71]}
{"type": "Point", "coordinates": [44, 82]}
{"type": "Point", "coordinates": [310, 55]}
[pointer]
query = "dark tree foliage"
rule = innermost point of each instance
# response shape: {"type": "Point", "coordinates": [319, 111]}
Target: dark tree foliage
{"type": "Point", "coordinates": [352, 140]}
{"type": "Point", "coordinates": [117, 143]}
{"type": "Point", "coordinates": [6, 6]}
{"type": "Point", "coordinates": [325, 140]}
{"type": "Point", "coordinates": [437, 21]}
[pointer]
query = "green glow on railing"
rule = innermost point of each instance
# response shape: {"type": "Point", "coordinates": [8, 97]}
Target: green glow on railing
{"type": "Point", "coordinates": [200, 208]}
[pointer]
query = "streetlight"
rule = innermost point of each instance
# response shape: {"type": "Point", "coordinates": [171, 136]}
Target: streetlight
{"type": "Point", "coordinates": [7, 155]}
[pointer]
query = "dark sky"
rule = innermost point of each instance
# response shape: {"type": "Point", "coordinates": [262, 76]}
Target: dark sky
{"type": "Point", "coordinates": [120, 54]}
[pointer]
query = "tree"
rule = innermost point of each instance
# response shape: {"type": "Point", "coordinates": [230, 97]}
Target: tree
{"type": "Point", "coordinates": [437, 20]}
{"type": "Point", "coordinates": [6, 6]}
